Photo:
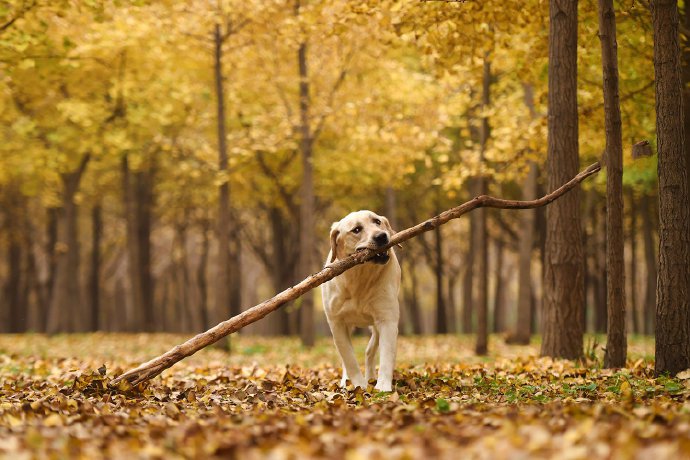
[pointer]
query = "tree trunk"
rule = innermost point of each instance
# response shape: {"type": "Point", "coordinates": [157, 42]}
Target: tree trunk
{"type": "Point", "coordinates": [673, 286]}
{"type": "Point", "coordinates": [499, 322]}
{"type": "Point", "coordinates": [283, 273]}
{"type": "Point", "coordinates": [616, 341]}
{"type": "Point", "coordinates": [94, 275]}
{"type": "Point", "coordinates": [633, 265]}
{"type": "Point", "coordinates": [686, 83]}
{"type": "Point", "coordinates": [524, 307]}
{"type": "Point", "coordinates": [481, 347]}
{"type": "Point", "coordinates": [412, 298]}
{"type": "Point", "coordinates": [223, 277]}
{"type": "Point", "coordinates": [564, 264]}
{"type": "Point", "coordinates": [451, 304]}
{"type": "Point", "coordinates": [468, 277]}
{"type": "Point", "coordinates": [649, 307]}
{"type": "Point", "coordinates": [600, 274]}
{"type": "Point", "coordinates": [441, 319]}
{"type": "Point", "coordinates": [138, 196]}
{"type": "Point", "coordinates": [307, 238]}
{"type": "Point", "coordinates": [201, 278]}
{"type": "Point", "coordinates": [65, 309]}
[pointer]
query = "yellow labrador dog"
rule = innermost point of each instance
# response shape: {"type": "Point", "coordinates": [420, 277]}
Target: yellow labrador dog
{"type": "Point", "coordinates": [366, 295]}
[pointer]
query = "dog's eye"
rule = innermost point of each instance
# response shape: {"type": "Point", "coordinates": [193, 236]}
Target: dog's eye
{"type": "Point", "coordinates": [377, 221]}
{"type": "Point", "coordinates": [357, 229]}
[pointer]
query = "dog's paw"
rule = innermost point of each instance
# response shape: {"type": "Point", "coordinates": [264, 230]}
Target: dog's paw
{"type": "Point", "coordinates": [385, 387]}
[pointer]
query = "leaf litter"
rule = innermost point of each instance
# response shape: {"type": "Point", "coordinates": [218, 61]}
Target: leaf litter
{"type": "Point", "coordinates": [271, 398]}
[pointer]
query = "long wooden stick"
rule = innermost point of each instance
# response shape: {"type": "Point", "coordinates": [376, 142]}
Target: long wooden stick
{"type": "Point", "coordinates": [157, 365]}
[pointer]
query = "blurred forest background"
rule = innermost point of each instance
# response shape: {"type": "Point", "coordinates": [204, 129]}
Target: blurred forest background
{"type": "Point", "coordinates": [164, 164]}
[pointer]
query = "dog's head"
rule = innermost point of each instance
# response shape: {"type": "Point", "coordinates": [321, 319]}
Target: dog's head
{"type": "Point", "coordinates": [358, 231]}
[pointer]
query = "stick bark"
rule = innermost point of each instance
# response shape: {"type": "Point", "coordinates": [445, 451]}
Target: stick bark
{"type": "Point", "coordinates": [152, 368]}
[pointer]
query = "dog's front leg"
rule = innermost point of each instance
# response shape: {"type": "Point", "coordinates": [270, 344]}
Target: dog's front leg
{"type": "Point", "coordinates": [341, 338]}
{"type": "Point", "coordinates": [370, 355]}
{"type": "Point", "coordinates": [388, 332]}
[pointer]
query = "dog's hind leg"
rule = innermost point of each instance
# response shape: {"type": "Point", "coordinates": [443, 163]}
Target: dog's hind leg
{"type": "Point", "coordinates": [370, 355]}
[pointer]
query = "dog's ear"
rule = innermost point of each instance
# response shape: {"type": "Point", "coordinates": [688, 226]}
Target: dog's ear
{"type": "Point", "coordinates": [387, 225]}
{"type": "Point", "coordinates": [334, 242]}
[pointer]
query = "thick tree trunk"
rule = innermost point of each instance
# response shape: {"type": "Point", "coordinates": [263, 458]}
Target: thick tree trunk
{"type": "Point", "coordinates": [686, 83]}
{"type": "Point", "coordinates": [616, 341]}
{"type": "Point", "coordinates": [65, 305]}
{"type": "Point", "coordinates": [157, 365]}
{"type": "Point", "coordinates": [673, 287]}
{"type": "Point", "coordinates": [524, 307]}
{"type": "Point", "coordinates": [481, 347]}
{"type": "Point", "coordinates": [94, 274]}
{"type": "Point", "coordinates": [649, 308]}
{"type": "Point", "coordinates": [307, 238]}
{"type": "Point", "coordinates": [564, 264]}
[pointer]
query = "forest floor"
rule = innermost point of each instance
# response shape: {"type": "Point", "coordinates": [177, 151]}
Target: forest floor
{"type": "Point", "coordinates": [271, 398]}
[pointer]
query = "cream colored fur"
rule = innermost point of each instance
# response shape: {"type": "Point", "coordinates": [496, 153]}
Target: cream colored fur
{"type": "Point", "coordinates": [366, 295]}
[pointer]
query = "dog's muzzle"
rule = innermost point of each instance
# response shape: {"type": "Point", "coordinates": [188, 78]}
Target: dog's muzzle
{"type": "Point", "coordinates": [380, 259]}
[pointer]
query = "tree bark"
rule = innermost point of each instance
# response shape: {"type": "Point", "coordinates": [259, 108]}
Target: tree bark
{"type": "Point", "coordinates": [468, 276]}
{"type": "Point", "coordinates": [564, 264]}
{"type": "Point", "coordinates": [673, 286]}
{"type": "Point", "coordinates": [686, 83]}
{"type": "Point", "coordinates": [307, 238]}
{"type": "Point", "coordinates": [137, 189]}
{"type": "Point", "coordinates": [650, 257]}
{"type": "Point", "coordinates": [157, 365]}
{"type": "Point", "coordinates": [524, 307]}
{"type": "Point", "coordinates": [481, 347]}
{"type": "Point", "coordinates": [223, 278]}
{"type": "Point", "coordinates": [616, 340]}
{"type": "Point", "coordinates": [65, 309]}
{"type": "Point", "coordinates": [412, 298]}
{"type": "Point", "coordinates": [441, 318]}
{"type": "Point", "coordinates": [499, 289]}
{"type": "Point", "coordinates": [600, 275]}
{"type": "Point", "coordinates": [94, 275]}
{"type": "Point", "coordinates": [636, 329]}
{"type": "Point", "coordinates": [201, 276]}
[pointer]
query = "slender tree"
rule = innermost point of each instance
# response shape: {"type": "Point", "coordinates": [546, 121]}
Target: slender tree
{"type": "Point", "coordinates": [564, 264]}
{"type": "Point", "coordinates": [481, 347]}
{"type": "Point", "coordinates": [306, 242]}
{"type": "Point", "coordinates": [616, 344]}
{"type": "Point", "coordinates": [673, 286]}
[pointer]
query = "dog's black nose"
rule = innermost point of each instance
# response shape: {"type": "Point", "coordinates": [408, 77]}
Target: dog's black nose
{"type": "Point", "coordinates": [381, 239]}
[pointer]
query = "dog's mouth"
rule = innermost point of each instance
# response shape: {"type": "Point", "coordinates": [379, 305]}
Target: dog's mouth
{"type": "Point", "coordinates": [380, 259]}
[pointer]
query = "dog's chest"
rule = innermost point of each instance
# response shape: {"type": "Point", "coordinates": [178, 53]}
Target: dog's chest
{"type": "Point", "coordinates": [354, 311]}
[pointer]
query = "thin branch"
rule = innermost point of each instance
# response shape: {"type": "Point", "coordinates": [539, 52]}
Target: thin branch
{"type": "Point", "coordinates": [157, 365]}
{"type": "Point", "coordinates": [20, 14]}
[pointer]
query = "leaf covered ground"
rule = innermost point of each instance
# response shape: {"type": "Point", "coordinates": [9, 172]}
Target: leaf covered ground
{"type": "Point", "coordinates": [271, 398]}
